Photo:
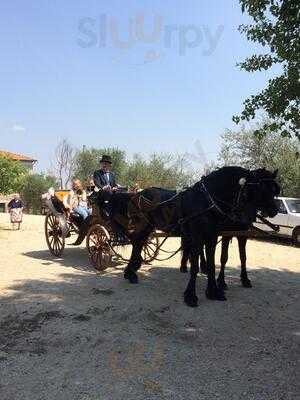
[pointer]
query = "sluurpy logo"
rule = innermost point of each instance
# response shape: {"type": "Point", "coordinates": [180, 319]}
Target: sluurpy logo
{"type": "Point", "coordinates": [152, 32]}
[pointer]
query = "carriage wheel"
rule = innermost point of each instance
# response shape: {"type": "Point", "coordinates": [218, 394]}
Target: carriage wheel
{"type": "Point", "coordinates": [122, 251]}
{"type": "Point", "coordinates": [54, 237]}
{"type": "Point", "coordinates": [97, 243]}
{"type": "Point", "coordinates": [150, 249]}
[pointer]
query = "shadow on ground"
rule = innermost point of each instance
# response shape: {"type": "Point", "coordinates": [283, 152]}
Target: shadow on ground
{"type": "Point", "coordinates": [89, 336]}
{"type": "Point", "coordinates": [73, 257]}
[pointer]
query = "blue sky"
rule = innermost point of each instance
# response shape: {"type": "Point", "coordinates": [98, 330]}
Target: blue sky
{"type": "Point", "coordinates": [61, 77]}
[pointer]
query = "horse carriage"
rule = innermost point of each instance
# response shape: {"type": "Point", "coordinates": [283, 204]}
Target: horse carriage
{"type": "Point", "coordinates": [227, 200]}
{"type": "Point", "coordinates": [104, 244]}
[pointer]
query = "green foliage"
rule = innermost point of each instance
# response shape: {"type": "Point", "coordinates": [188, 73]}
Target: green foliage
{"type": "Point", "coordinates": [11, 175]}
{"type": "Point", "coordinates": [162, 170]}
{"type": "Point", "coordinates": [277, 27]}
{"type": "Point", "coordinates": [33, 186]}
{"type": "Point", "coordinates": [157, 170]}
{"type": "Point", "coordinates": [270, 150]}
{"type": "Point", "coordinates": [87, 161]}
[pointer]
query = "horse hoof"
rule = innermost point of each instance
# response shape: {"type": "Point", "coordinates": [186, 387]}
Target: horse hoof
{"type": "Point", "coordinates": [203, 269]}
{"type": "Point", "coordinates": [183, 270]}
{"type": "Point", "coordinates": [191, 301]}
{"type": "Point", "coordinates": [220, 296]}
{"type": "Point", "coordinates": [210, 294]}
{"type": "Point", "coordinates": [222, 285]}
{"type": "Point", "coordinates": [215, 294]}
{"type": "Point", "coordinates": [133, 279]}
{"type": "Point", "coordinates": [246, 283]}
{"type": "Point", "coordinates": [131, 276]}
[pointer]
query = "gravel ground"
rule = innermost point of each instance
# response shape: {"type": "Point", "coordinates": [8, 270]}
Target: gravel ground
{"type": "Point", "coordinates": [68, 333]}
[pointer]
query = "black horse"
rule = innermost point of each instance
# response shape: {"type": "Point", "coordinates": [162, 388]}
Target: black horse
{"type": "Point", "coordinates": [226, 198]}
{"type": "Point", "coordinates": [242, 241]}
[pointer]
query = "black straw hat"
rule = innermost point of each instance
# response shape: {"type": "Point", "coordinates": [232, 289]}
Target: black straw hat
{"type": "Point", "coordinates": [106, 158]}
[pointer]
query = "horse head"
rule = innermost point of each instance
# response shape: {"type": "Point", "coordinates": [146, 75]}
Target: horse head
{"type": "Point", "coordinates": [241, 193]}
{"type": "Point", "coordinates": [261, 189]}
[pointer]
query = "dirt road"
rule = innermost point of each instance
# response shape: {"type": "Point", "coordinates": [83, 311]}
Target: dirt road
{"type": "Point", "coordinates": [68, 333]}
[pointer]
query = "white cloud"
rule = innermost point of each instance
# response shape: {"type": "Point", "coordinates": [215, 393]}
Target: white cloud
{"type": "Point", "coordinates": [18, 128]}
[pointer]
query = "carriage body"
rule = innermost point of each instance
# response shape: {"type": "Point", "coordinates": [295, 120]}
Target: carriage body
{"type": "Point", "coordinates": [59, 224]}
{"type": "Point", "coordinates": [103, 243]}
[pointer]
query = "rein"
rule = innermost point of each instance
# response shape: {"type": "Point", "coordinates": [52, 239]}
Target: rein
{"type": "Point", "coordinates": [268, 223]}
{"type": "Point", "coordinates": [183, 220]}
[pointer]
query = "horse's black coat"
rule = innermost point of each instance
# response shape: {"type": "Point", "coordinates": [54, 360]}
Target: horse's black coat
{"type": "Point", "coordinates": [242, 241]}
{"type": "Point", "coordinates": [218, 202]}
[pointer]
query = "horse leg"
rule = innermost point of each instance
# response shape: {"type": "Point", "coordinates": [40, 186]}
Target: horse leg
{"type": "Point", "coordinates": [190, 297]}
{"type": "Point", "coordinates": [242, 240]}
{"type": "Point", "coordinates": [185, 256]}
{"type": "Point", "coordinates": [134, 262]}
{"type": "Point", "coordinates": [213, 292]}
{"type": "Point", "coordinates": [224, 258]}
{"type": "Point", "coordinates": [136, 259]}
{"type": "Point", "coordinates": [203, 264]}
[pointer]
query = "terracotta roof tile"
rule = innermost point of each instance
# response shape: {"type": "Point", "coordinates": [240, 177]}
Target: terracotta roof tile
{"type": "Point", "coordinates": [16, 157]}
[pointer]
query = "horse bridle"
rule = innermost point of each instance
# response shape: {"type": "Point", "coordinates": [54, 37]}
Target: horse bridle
{"type": "Point", "coordinates": [233, 215]}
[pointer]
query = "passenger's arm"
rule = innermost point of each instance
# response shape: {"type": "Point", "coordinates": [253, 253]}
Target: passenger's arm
{"type": "Point", "coordinates": [84, 196]}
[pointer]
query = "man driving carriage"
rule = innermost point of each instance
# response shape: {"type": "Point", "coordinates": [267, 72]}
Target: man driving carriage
{"type": "Point", "coordinates": [103, 178]}
{"type": "Point", "coordinates": [104, 182]}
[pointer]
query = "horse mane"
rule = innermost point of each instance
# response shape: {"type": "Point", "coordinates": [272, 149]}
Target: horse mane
{"type": "Point", "coordinates": [153, 192]}
{"type": "Point", "coordinates": [227, 171]}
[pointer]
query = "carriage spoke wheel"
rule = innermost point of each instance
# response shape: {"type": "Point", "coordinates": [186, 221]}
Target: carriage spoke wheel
{"type": "Point", "coordinates": [150, 249]}
{"type": "Point", "coordinates": [54, 237]}
{"type": "Point", "coordinates": [121, 247]}
{"type": "Point", "coordinates": [122, 251]}
{"type": "Point", "coordinates": [97, 243]}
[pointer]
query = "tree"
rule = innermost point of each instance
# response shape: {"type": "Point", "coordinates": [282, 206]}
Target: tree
{"type": "Point", "coordinates": [87, 161]}
{"type": "Point", "coordinates": [277, 27]}
{"type": "Point", "coordinates": [33, 186]}
{"type": "Point", "coordinates": [64, 163]}
{"type": "Point", "coordinates": [271, 151]}
{"type": "Point", "coordinates": [11, 174]}
{"type": "Point", "coordinates": [163, 170]}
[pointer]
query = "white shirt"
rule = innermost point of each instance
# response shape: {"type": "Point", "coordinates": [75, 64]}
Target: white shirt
{"type": "Point", "coordinates": [107, 177]}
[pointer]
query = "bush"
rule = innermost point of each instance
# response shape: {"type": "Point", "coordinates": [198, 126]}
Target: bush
{"type": "Point", "coordinates": [11, 175]}
{"type": "Point", "coordinates": [33, 186]}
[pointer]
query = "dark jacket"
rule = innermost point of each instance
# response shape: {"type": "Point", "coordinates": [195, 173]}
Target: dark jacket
{"type": "Point", "coordinates": [100, 179]}
{"type": "Point", "coordinates": [15, 204]}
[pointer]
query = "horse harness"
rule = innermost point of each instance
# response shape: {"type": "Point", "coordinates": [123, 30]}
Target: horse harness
{"type": "Point", "coordinates": [232, 215]}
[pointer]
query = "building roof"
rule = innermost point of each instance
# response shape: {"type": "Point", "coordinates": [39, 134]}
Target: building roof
{"type": "Point", "coordinates": [16, 157]}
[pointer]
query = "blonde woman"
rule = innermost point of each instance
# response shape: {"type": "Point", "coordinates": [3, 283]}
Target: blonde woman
{"type": "Point", "coordinates": [15, 208]}
{"type": "Point", "coordinates": [76, 201]}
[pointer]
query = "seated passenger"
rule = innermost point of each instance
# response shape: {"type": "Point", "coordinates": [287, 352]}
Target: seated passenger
{"type": "Point", "coordinates": [76, 201]}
